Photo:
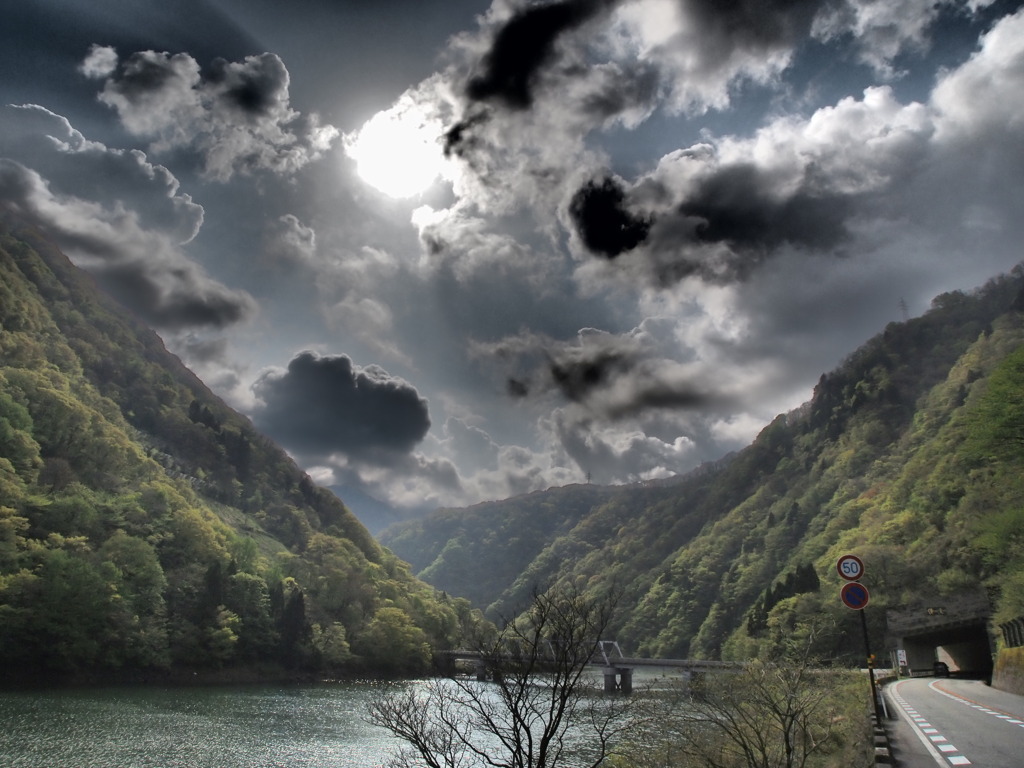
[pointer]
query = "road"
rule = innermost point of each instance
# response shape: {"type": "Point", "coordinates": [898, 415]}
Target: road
{"type": "Point", "coordinates": [948, 722]}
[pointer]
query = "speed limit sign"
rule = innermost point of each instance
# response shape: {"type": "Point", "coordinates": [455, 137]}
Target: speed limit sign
{"type": "Point", "coordinates": [850, 567]}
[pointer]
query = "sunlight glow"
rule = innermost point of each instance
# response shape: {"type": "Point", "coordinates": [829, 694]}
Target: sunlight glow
{"type": "Point", "coordinates": [398, 151]}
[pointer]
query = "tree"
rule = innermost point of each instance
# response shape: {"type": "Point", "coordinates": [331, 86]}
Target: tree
{"type": "Point", "coordinates": [768, 715]}
{"type": "Point", "coordinates": [541, 710]}
{"type": "Point", "coordinates": [392, 642]}
{"type": "Point", "coordinates": [997, 429]}
{"type": "Point", "coordinates": [295, 631]}
{"type": "Point", "coordinates": [71, 606]}
{"type": "Point", "coordinates": [246, 596]}
{"type": "Point", "coordinates": [331, 643]}
{"type": "Point", "coordinates": [139, 610]}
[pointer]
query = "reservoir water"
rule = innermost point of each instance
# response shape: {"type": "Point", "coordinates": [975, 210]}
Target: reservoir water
{"type": "Point", "coordinates": [253, 726]}
{"type": "Point", "coordinates": [243, 726]}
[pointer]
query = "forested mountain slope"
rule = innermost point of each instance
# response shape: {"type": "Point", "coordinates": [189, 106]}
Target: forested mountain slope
{"type": "Point", "coordinates": [910, 454]}
{"type": "Point", "coordinates": [146, 526]}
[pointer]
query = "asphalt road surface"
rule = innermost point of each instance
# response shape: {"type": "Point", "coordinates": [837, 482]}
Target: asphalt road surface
{"type": "Point", "coordinates": [949, 722]}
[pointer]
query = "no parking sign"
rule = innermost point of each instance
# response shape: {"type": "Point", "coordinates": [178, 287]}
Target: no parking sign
{"type": "Point", "coordinates": [854, 595]}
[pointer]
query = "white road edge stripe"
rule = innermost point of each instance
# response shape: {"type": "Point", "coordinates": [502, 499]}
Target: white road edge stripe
{"type": "Point", "coordinates": [939, 758]}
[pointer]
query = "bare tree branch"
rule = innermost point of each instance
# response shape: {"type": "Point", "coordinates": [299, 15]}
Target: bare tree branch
{"type": "Point", "coordinates": [542, 710]}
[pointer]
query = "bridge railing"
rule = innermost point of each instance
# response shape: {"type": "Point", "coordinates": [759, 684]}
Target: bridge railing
{"type": "Point", "coordinates": [610, 655]}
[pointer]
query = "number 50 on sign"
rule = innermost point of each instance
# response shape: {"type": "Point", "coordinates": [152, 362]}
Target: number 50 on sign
{"type": "Point", "coordinates": [850, 567]}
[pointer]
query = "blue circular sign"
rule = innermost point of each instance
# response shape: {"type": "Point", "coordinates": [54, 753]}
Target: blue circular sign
{"type": "Point", "coordinates": [854, 595]}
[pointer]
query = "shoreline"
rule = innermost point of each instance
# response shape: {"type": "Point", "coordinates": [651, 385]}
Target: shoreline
{"type": "Point", "coordinates": [185, 678]}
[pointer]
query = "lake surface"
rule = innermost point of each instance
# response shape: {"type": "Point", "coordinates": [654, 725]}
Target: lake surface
{"type": "Point", "coordinates": [253, 726]}
{"type": "Point", "coordinates": [244, 726]}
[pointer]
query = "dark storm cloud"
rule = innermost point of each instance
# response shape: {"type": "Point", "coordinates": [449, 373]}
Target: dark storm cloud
{"type": "Point", "coordinates": [737, 206]}
{"type": "Point", "coordinates": [692, 67]}
{"type": "Point", "coordinates": [143, 269]}
{"type": "Point", "coordinates": [177, 300]}
{"type": "Point", "coordinates": [517, 387]}
{"type": "Point", "coordinates": [620, 89]}
{"type": "Point", "coordinates": [577, 375]}
{"type": "Point", "coordinates": [650, 393]}
{"type": "Point", "coordinates": [609, 377]}
{"type": "Point", "coordinates": [457, 138]}
{"type": "Point", "coordinates": [735, 216]}
{"type": "Point", "coordinates": [614, 385]}
{"type": "Point", "coordinates": [524, 45]}
{"type": "Point", "coordinates": [253, 90]}
{"type": "Point", "coordinates": [322, 405]}
{"type": "Point", "coordinates": [203, 350]}
{"type": "Point", "coordinates": [753, 24]}
{"type": "Point", "coordinates": [520, 49]}
{"type": "Point", "coordinates": [146, 72]}
{"type": "Point", "coordinates": [602, 221]}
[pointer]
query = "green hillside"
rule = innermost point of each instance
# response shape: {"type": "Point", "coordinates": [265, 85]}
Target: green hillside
{"type": "Point", "coordinates": [146, 527]}
{"type": "Point", "coordinates": [909, 455]}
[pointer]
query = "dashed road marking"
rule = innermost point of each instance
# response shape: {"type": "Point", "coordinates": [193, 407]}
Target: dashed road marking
{"type": "Point", "coordinates": [998, 714]}
{"type": "Point", "coordinates": [936, 744]}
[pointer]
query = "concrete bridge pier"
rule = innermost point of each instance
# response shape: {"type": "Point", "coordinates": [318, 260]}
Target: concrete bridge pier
{"type": "Point", "coordinates": [485, 673]}
{"type": "Point", "coordinates": [618, 679]}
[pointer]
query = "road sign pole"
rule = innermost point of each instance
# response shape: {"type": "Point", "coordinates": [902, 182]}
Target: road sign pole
{"type": "Point", "coordinates": [855, 596]}
{"type": "Point", "coordinates": [871, 666]}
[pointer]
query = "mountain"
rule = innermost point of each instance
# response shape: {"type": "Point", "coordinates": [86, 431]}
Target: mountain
{"type": "Point", "coordinates": [910, 455]}
{"type": "Point", "coordinates": [145, 527]}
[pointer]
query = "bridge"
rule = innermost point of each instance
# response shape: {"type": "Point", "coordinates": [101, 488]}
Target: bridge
{"type": "Point", "coordinates": [617, 668]}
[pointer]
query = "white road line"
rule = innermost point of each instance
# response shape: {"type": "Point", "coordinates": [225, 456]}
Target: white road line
{"type": "Point", "coordinates": [928, 735]}
{"type": "Point", "coordinates": [934, 685]}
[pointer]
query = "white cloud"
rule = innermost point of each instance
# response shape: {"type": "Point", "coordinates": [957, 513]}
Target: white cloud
{"type": "Point", "coordinates": [779, 221]}
{"type": "Point", "coordinates": [238, 118]}
{"type": "Point", "coordinates": [882, 28]}
{"type": "Point", "coordinates": [292, 241]}
{"type": "Point", "coordinates": [354, 295]}
{"type": "Point", "coordinates": [468, 246]}
{"type": "Point", "coordinates": [77, 166]}
{"type": "Point", "coordinates": [828, 217]}
{"type": "Point", "coordinates": [700, 52]}
{"type": "Point", "coordinates": [620, 452]}
{"type": "Point", "coordinates": [100, 62]}
{"type": "Point", "coordinates": [983, 95]}
{"type": "Point", "coordinates": [118, 216]}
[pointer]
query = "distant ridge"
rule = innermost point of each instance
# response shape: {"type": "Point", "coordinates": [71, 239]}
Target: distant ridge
{"type": "Point", "coordinates": [908, 454]}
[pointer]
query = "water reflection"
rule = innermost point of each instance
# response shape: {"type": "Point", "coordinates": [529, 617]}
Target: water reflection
{"type": "Point", "coordinates": [216, 727]}
{"type": "Point", "coordinates": [207, 727]}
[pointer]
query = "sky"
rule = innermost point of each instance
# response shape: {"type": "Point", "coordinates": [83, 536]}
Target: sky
{"type": "Point", "coordinates": [446, 251]}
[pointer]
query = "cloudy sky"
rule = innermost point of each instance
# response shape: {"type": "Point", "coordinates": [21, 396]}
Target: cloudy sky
{"type": "Point", "coordinates": [453, 250]}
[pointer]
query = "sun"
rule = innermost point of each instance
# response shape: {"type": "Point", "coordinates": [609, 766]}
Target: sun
{"type": "Point", "coordinates": [398, 150]}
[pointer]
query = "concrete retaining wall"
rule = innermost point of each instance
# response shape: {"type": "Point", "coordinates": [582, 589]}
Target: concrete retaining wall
{"type": "Point", "coordinates": [1008, 674]}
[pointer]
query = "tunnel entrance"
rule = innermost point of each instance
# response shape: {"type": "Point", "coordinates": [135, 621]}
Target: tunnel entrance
{"type": "Point", "coordinates": [952, 630]}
